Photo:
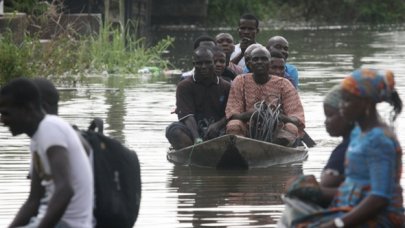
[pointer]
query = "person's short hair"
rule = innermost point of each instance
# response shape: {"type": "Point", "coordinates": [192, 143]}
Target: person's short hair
{"type": "Point", "coordinates": [22, 92]}
{"type": "Point", "coordinates": [223, 34]}
{"type": "Point", "coordinates": [276, 54]}
{"type": "Point", "coordinates": [217, 49]}
{"type": "Point", "coordinates": [251, 47]}
{"type": "Point", "coordinates": [203, 49]}
{"type": "Point", "coordinates": [249, 50]}
{"type": "Point", "coordinates": [248, 16]}
{"type": "Point", "coordinates": [262, 49]}
{"type": "Point", "coordinates": [201, 39]}
{"type": "Point", "coordinates": [49, 95]}
{"type": "Point", "coordinates": [274, 39]}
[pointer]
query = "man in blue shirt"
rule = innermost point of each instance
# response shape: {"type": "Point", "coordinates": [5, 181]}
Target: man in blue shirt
{"type": "Point", "coordinates": [281, 44]}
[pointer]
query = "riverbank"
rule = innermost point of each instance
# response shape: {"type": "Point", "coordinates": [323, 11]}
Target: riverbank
{"type": "Point", "coordinates": [69, 47]}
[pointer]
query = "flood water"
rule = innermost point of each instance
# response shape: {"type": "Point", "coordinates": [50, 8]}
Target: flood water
{"type": "Point", "coordinates": [137, 110]}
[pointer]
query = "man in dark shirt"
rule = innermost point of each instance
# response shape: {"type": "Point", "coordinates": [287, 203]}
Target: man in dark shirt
{"type": "Point", "coordinates": [201, 101]}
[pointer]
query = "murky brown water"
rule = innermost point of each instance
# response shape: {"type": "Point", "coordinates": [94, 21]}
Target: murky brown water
{"type": "Point", "coordinates": [138, 111]}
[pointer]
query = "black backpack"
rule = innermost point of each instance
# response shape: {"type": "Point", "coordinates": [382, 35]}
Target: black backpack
{"type": "Point", "coordinates": [117, 179]}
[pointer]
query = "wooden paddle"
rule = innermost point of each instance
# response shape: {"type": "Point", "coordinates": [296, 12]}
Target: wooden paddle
{"type": "Point", "coordinates": [308, 140]}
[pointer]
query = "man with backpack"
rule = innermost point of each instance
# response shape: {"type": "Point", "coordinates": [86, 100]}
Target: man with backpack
{"type": "Point", "coordinates": [117, 183]}
{"type": "Point", "coordinates": [61, 193]}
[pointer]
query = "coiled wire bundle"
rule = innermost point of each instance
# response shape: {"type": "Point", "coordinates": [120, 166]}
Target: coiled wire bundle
{"type": "Point", "coordinates": [264, 121]}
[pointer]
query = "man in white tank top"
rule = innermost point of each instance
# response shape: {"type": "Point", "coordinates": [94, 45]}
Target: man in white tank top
{"type": "Point", "coordinates": [61, 193]}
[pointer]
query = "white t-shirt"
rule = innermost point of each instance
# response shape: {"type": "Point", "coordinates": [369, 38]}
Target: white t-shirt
{"type": "Point", "coordinates": [235, 53]}
{"type": "Point", "coordinates": [53, 131]}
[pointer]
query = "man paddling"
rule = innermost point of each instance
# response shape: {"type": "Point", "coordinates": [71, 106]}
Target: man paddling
{"type": "Point", "coordinates": [200, 101]}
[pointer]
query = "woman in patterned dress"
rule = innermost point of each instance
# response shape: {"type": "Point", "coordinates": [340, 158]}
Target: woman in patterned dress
{"type": "Point", "coordinates": [371, 195]}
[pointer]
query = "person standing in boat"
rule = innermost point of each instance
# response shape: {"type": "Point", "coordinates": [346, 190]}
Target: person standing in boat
{"type": "Point", "coordinates": [248, 29]}
{"type": "Point", "coordinates": [200, 103]}
{"type": "Point", "coordinates": [281, 44]}
{"type": "Point", "coordinates": [248, 89]}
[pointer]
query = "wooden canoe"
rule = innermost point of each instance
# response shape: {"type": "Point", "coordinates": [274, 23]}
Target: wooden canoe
{"type": "Point", "coordinates": [231, 151]}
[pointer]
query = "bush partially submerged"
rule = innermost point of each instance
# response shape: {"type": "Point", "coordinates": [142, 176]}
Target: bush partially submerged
{"type": "Point", "coordinates": [13, 59]}
{"type": "Point", "coordinates": [64, 55]}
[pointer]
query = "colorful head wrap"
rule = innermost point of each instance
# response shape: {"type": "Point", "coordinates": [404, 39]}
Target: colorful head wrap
{"type": "Point", "coordinates": [371, 83]}
{"type": "Point", "coordinates": [333, 97]}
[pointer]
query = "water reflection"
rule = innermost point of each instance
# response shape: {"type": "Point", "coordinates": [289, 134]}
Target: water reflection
{"type": "Point", "coordinates": [328, 49]}
{"type": "Point", "coordinates": [221, 198]}
{"type": "Point", "coordinates": [117, 109]}
{"type": "Point", "coordinates": [137, 110]}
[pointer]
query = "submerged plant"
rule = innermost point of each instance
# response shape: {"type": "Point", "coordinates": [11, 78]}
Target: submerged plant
{"type": "Point", "coordinates": [117, 53]}
{"type": "Point", "coordinates": [67, 55]}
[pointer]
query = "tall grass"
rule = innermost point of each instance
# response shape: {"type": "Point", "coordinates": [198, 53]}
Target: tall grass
{"type": "Point", "coordinates": [117, 53]}
{"type": "Point", "coordinates": [13, 59]}
{"type": "Point", "coordinates": [67, 56]}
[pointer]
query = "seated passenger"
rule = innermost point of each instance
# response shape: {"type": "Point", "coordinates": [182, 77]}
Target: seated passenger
{"type": "Point", "coordinates": [281, 44]}
{"type": "Point", "coordinates": [277, 66]}
{"type": "Point", "coordinates": [200, 101]}
{"type": "Point", "coordinates": [201, 41]}
{"type": "Point", "coordinates": [220, 65]}
{"type": "Point", "coordinates": [247, 56]}
{"type": "Point", "coordinates": [225, 40]}
{"type": "Point", "coordinates": [248, 89]}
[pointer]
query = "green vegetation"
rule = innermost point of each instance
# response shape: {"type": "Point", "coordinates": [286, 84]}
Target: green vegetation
{"type": "Point", "coordinates": [26, 6]}
{"type": "Point", "coordinates": [228, 12]}
{"type": "Point", "coordinates": [66, 57]}
{"type": "Point", "coordinates": [112, 52]}
{"type": "Point", "coordinates": [331, 11]}
{"type": "Point", "coordinates": [12, 59]}
{"type": "Point", "coordinates": [69, 55]}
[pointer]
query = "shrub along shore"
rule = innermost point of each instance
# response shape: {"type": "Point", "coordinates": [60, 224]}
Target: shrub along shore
{"type": "Point", "coordinates": [66, 57]}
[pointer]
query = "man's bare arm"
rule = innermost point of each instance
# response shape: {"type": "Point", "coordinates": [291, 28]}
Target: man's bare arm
{"type": "Point", "coordinates": [60, 168]}
{"type": "Point", "coordinates": [191, 123]}
{"type": "Point", "coordinates": [30, 207]}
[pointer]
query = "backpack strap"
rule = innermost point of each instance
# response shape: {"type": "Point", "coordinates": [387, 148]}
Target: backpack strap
{"type": "Point", "coordinates": [96, 123]}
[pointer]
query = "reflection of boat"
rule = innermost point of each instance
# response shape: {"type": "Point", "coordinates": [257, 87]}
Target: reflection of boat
{"type": "Point", "coordinates": [230, 198]}
{"type": "Point", "coordinates": [231, 151]}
